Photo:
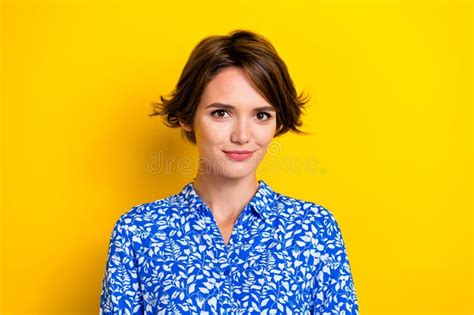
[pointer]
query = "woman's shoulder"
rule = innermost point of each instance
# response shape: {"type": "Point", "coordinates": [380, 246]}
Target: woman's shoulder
{"type": "Point", "coordinates": [155, 210]}
{"type": "Point", "coordinates": [302, 208]}
{"type": "Point", "coordinates": [309, 215]}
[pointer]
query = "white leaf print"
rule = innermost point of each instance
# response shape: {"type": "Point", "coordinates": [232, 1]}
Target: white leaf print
{"type": "Point", "coordinates": [212, 302]}
{"type": "Point", "coordinates": [287, 257]}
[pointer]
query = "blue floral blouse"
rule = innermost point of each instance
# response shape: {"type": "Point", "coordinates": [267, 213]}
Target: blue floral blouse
{"type": "Point", "coordinates": [284, 256]}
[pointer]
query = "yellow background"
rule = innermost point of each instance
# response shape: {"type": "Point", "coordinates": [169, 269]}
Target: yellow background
{"type": "Point", "coordinates": [391, 144]}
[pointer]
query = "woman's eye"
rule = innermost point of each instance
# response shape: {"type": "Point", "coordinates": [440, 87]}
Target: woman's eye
{"type": "Point", "coordinates": [266, 114]}
{"type": "Point", "coordinates": [220, 111]}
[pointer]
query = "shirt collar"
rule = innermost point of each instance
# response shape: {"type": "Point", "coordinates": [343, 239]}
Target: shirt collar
{"type": "Point", "coordinates": [260, 202]}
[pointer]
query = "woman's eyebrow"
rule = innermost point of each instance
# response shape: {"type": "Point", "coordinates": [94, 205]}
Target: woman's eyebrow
{"type": "Point", "coordinates": [227, 106]}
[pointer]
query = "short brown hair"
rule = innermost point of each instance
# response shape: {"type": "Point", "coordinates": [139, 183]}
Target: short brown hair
{"type": "Point", "coordinates": [257, 57]}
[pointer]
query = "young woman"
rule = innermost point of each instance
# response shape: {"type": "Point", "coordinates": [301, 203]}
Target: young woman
{"type": "Point", "coordinates": [228, 243]}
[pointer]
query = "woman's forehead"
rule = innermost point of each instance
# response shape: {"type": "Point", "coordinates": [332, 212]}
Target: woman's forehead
{"type": "Point", "coordinates": [232, 87]}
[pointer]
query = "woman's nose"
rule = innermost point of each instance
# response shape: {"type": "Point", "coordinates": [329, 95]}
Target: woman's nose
{"type": "Point", "coordinates": [240, 132]}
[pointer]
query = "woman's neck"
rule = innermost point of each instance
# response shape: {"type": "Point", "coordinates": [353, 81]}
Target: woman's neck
{"type": "Point", "coordinates": [225, 197]}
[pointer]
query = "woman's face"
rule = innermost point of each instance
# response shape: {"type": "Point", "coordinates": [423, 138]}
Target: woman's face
{"type": "Point", "coordinates": [232, 116]}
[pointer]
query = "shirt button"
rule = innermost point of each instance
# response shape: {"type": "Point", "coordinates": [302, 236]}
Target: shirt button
{"type": "Point", "coordinates": [227, 271]}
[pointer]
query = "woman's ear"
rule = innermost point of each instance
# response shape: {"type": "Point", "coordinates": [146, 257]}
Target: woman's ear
{"type": "Point", "coordinates": [186, 127]}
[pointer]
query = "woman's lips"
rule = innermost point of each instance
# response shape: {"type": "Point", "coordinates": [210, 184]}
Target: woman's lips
{"type": "Point", "coordinates": [238, 155]}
